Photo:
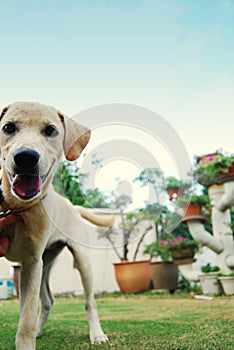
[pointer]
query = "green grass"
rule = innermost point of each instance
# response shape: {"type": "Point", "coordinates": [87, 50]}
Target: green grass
{"type": "Point", "coordinates": [147, 321]}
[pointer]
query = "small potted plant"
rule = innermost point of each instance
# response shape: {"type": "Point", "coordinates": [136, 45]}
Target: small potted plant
{"type": "Point", "coordinates": [227, 282]}
{"type": "Point", "coordinates": [207, 158]}
{"type": "Point", "coordinates": [221, 169]}
{"type": "Point", "coordinates": [209, 279]}
{"type": "Point", "coordinates": [175, 187]}
{"type": "Point", "coordinates": [182, 250]}
{"type": "Point", "coordinates": [164, 272]}
{"type": "Point", "coordinates": [192, 205]}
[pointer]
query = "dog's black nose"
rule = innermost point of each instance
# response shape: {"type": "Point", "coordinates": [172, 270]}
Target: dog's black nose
{"type": "Point", "coordinates": [26, 158]}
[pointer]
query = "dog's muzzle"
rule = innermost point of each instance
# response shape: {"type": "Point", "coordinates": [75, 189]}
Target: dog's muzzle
{"type": "Point", "coordinates": [26, 182]}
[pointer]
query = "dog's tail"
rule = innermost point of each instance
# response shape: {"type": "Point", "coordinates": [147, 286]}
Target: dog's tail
{"type": "Point", "coordinates": [104, 220]}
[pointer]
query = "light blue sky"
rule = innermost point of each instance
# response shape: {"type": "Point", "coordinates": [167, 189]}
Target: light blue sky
{"type": "Point", "coordinates": [175, 57]}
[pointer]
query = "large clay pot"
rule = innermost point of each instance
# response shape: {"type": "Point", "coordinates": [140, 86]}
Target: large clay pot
{"type": "Point", "coordinates": [133, 277]}
{"type": "Point", "coordinates": [164, 275]}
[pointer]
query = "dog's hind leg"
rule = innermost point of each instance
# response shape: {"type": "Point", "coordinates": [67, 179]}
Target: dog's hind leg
{"type": "Point", "coordinates": [46, 296]}
{"type": "Point", "coordinates": [81, 262]}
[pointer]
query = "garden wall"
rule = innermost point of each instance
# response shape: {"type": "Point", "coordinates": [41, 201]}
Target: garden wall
{"type": "Point", "coordinates": [64, 278]}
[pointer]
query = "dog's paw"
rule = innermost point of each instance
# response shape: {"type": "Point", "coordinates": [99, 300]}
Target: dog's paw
{"type": "Point", "coordinates": [98, 339]}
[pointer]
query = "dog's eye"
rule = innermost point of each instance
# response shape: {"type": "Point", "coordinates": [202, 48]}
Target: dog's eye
{"type": "Point", "coordinates": [50, 131]}
{"type": "Point", "coordinates": [9, 128]}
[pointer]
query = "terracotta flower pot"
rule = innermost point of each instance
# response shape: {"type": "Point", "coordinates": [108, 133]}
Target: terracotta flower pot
{"type": "Point", "coordinates": [172, 191]}
{"type": "Point", "coordinates": [192, 211]}
{"type": "Point", "coordinates": [164, 275]}
{"type": "Point", "coordinates": [133, 277]}
{"type": "Point", "coordinates": [208, 158]}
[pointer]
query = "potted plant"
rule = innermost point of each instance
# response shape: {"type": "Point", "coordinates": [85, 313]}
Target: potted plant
{"type": "Point", "coordinates": [209, 279]}
{"type": "Point", "coordinates": [207, 158]}
{"type": "Point", "coordinates": [221, 169]}
{"type": "Point", "coordinates": [175, 187]}
{"type": "Point", "coordinates": [183, 249]}
{"type": "Point", "coordinates": [132, 276]}
{"type": "Point", "coordinates": [192, 205]}
{"type": "Point", "coordinates": [227, 282]}
{"type": "Point", "coordinates": [164, 272]}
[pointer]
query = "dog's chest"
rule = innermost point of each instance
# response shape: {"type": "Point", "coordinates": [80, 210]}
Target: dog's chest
{"type": "Point", "coordinates": [27, 237]}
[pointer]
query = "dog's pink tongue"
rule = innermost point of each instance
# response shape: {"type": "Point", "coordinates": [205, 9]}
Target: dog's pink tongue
{"type": "Point", "coordinates": [27, 186]}
{"type": "Point", "coordinates": [4, 243]}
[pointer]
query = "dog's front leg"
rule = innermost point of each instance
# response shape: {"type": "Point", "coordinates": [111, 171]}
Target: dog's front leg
{"type": "Point", "coordinates": [30, 281]}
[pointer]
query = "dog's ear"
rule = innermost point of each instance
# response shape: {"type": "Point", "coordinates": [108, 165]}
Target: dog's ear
{"type": "Point", "coordinates": [4, 110]}
{"type": "Point", "coordinates": [76, 137]}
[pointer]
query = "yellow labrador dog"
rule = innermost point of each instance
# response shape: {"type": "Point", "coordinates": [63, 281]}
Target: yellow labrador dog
{"type": "Point", "coordinates": [33, 138]}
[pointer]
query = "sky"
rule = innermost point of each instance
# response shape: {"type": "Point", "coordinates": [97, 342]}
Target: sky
{"type": "Point", "coordinates": [173, 57]}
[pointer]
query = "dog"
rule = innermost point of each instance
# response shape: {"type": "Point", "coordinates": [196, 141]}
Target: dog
{"type": "Point", "coordinates": [33, 138]}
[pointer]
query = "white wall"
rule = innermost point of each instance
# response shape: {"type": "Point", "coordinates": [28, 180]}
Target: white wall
{"type": "Point", "coordinates": [64, 278]}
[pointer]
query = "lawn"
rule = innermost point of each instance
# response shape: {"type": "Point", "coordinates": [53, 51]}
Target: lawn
{"type": "Point", "coordinates": [147, 321]}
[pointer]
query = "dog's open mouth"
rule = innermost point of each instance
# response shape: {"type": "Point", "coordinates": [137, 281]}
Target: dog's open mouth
{"type": "Point", "coordinates": [27, 186]}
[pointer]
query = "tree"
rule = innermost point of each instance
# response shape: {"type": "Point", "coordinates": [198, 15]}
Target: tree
{"type": "Point", "coordinates": [68, 181]}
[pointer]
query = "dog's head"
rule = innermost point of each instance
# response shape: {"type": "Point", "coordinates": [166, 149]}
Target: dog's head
{"type": "Point", "coordinates": [33, 138]}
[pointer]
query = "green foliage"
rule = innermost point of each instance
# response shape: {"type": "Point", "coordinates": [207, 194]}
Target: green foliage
{"type": "Point", "coordinates": [209, 268]}
{"type": "Point", "coordinates": [173, 182]}
{"type": "Point", "coordinates": [186, 286]}
{"type": "Point", "coordinates": [163, 248]}
{"type": "Point", "coordinates": [68, 181]}
{"type": "Point", "coordinates": [211, 171]}
{"type": "Point", "coordinates": [194, 199]}
{"type": "Point", "coordinates": [154, 178]}
{"type": "Point", "coordinates": [150, 176]}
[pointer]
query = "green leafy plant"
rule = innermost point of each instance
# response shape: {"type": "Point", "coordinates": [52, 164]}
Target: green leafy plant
{"type": "Point", "coordinates": [173, 182]}
{"type": "Point", "coordinates": [68, 181]}
{"type": "Point", "coordinates": [182, 242]}
{"type": "Point", "coordinates": [163, 248]}
{"type": "Point", "coordinates": [193, 199]}
{"type": "Point", "coordinates": [211, 171]}
{"type": "Point", "coordinates": [209, 268]}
